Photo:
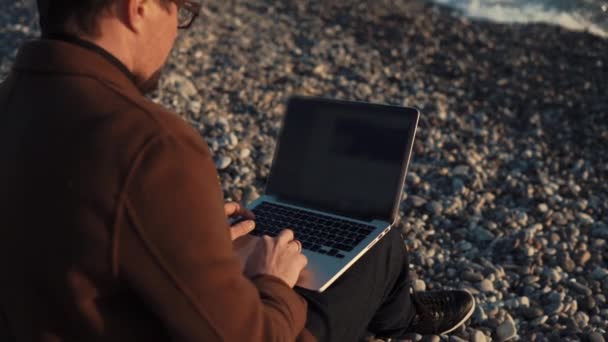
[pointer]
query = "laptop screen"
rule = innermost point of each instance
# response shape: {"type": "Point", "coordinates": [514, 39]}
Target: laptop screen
{"type": "Point", "coordinates": [343, 157]}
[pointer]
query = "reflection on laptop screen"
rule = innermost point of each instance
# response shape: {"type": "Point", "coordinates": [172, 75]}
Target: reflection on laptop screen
{"type": "Point", "coordinates": [342, 157]}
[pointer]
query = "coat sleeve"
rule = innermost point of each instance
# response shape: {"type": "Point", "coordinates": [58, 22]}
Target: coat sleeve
{"type": "Point", "coordinates": [173, 248]}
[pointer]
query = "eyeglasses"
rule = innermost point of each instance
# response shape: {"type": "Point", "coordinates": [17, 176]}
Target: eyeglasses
{"type": "Point", "coordinates": [187, 11]}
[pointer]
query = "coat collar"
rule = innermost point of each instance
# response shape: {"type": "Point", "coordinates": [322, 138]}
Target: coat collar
{"type": "Point", "coordinates": [52, 56]}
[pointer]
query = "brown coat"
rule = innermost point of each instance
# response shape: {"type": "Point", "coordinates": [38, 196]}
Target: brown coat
{"type": "Point", "coordinates": [113, 224]}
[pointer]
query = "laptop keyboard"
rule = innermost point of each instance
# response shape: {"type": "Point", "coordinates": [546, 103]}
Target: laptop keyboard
{"type": "Point", "coordinates": [319, 233]}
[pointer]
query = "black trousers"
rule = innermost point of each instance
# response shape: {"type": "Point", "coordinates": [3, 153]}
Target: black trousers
{"type": "Point", "coordinates": [372, 295]}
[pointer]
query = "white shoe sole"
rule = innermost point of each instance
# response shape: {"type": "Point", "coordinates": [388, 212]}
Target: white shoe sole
{"type": "Point", "coordinates": [464, 319]}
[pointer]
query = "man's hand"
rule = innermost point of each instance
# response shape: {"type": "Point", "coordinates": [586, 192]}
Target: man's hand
{"type": "Point", "coordinates": [235, 210]}
{"type": "Point", "coordinates": [280, 257]}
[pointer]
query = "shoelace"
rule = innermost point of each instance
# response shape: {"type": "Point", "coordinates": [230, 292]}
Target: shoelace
{"type": "Point", "coordinates": [432, 306]}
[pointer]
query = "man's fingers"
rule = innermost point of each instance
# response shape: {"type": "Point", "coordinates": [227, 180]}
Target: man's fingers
{"type": "Point", "coordinates": [296, 244]}
{"type": "Point", "coordinates": [235, 209]}
{"type": "Point", "coordinates": [241, 229]}
{"type": "Point", "coordinates": [231, 208]}
{"type": "Point", "coordinates": [303, 260]}
{"type": "Point", "coordinates": [285, 236]}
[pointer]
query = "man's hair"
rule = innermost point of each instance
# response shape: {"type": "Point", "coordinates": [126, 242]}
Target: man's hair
{"type": "Point", "coordinates": [73, 16]}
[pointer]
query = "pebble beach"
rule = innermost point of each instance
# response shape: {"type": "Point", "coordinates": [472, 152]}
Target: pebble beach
{"type": "Point", "coordinates": [507, 191]}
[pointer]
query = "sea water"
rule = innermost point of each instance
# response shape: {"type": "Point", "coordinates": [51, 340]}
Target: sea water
{"type": "Point", "coordinates": [580, 15]}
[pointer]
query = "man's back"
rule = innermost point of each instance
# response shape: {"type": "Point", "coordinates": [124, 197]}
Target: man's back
{"type": "Point", "coordinates": [72, 139]}
{"type": "Point", "coordinates": [96, 242]}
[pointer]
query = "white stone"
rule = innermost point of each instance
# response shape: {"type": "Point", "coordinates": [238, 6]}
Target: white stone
{"type": "Point", "coordinates": [244, 153]}
{"type": "Point", "coordinates": [478, 336]}
{"type": "Point", "coordinates": [419, 285]}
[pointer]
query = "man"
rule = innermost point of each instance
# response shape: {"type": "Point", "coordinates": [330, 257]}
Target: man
{"type": "Point", "coordinates": [114, 227]}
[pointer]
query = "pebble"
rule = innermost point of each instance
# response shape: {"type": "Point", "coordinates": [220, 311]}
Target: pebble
{"type": "Point", "coordinates": [543, 207]}
{"type": "Point", "coordinates": [599, 273]}
{"type": "Point", "coordinates": [417, 201]}
{"type": "Point", "coordinates": [506, 330]}
{"type": "Point", "coordinates": [595, 337]}
{"type": "Point", "coordinates": [464, 246]}
{"type": "Point", "coordinates": [531, 312]}
{"type": "Point", "coordinates": [486, 286]}
{"type": "Point", "coordinates": [435, 207]}
{"type": "Point", "coordinates": [223, 162]}
{"type": "Point", "coordinates": [539, 320]}
{"type": "Point", "coordinates": [479, 315]}
{"type": "Point", "coordinates": [554, 308]}
{"type": "Point", "coordinates": [481, 234]}
{"type": "Point", "coordinates": [478, 336]}
{"type": "Point", "coordinates": [584, 258]}
{"type": "Point", "coordinates": [600, 232]}
{"type": "Point", "coordinates": [585, 218]}
{"type": "Point", "coordinates": [182, 84]}
{"type": "Point", "coordinates": [461, 170]}
{"type": "Point", "coordinates": [472, 276]}
{"type": "Point", "coordinates": [580, 288]}
{"type": "Point", "coordinates": [581, 319]}
{"type": "Point", "coordinates": [244, 153]}
{"type": "Point", "coordinates": [419, 285]}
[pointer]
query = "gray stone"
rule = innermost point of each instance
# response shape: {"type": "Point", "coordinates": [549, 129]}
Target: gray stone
{"type": "Point", "coordinates": [506, 330]}
{"type": "Point", "coordinates": [600, 232]}
{"type": "Point", "coordinates": [458, 185]}
{"type": "Point", "coordinates": [595, 337]}
{"type": "Point", "coordinates": [435, 207]}
{"type": "Point", "coordinates": [599, 273]}
{"type": "Point", "coordinates": [531, 312]}
{"type": "Point", "coordinates": [580, 288]}
{"type": "Point", "coordinates": [481, 234]}
{"type": "Point", "coordinates": [543, 207]}
{"type": "Point", "coordinates": [461, 170]}
{"type": "Point", "coordinates": [472, 276]}
{"type": "Point", "coordinates": [479, 315]}
{"type": "Point", "coordinates": [554, 308]}
{"type": "Point", "coordinates": [522, 218]}
{"type": "Point", "coordinates": [464, 245]}
{"type": "Point", "coordinates": [417, 201]}
{"type": "Point", "coordinates": [413, 178]}
{"type": "Point", "coordinates": [223, 162]}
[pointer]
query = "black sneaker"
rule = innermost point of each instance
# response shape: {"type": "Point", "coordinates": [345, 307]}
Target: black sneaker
{"type": "Point", "coordinates": [441, 312]}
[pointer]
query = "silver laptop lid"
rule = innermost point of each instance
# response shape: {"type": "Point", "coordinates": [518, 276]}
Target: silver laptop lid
{"type": "Point", "coordinates": [348, 158]}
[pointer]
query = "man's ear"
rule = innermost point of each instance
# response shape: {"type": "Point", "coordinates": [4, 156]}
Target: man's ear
{"type": "Point", "coordinates": [132, 13]}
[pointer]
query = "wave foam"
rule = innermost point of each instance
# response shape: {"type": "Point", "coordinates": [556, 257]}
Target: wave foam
{"type": "Point", "coordinates": [528, 13]}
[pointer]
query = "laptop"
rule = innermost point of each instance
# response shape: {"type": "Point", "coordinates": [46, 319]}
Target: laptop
{"type": "Point", "coordinates": [336, 180]}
